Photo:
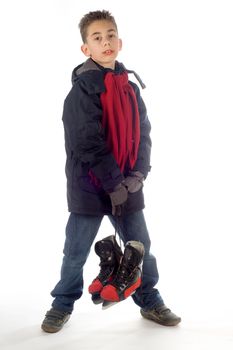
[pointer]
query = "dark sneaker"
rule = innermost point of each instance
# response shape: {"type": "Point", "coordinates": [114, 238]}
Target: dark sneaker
{"type": "Point", "coordinates": [128, 277]}
{"type": "Point", "coordinates": [161, 315]}
{"type": "Point", "coordinates": [110, 256]}
{"type": "Point", "coordinates": [54, 320]}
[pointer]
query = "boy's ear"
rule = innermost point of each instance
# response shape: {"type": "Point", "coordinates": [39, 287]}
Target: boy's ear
{"type": "Point", "coordinates": [85, 50]}
{"type": "Point", "coordinates": [120, 44]}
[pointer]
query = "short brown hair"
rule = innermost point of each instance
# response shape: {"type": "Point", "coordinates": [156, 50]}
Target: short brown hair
{"type": "Point", "coordinates": [94, 16]}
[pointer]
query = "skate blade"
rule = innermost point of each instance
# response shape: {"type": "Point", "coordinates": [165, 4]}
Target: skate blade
{"type": "Point", "coordinates": [96, 299]}
{"type": "Point", "coordinates": [107, 304]}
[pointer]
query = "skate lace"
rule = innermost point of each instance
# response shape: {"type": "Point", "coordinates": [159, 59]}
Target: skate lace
{"type": "Point", "coordinates": [122, 277]}
{"type": "Point", "coordinates": [105, 270]}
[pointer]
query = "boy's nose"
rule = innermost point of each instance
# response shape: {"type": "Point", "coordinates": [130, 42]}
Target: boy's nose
{"type": "Point", "coordinates": [106, 42]}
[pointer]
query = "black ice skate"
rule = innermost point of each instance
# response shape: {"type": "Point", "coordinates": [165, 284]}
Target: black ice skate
{"type": "Point", "coordinates": [128, 277]}
{"type": "Point", "coordinates": [110, 256]}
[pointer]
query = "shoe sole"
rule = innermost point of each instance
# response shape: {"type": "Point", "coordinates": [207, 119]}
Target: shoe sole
{"type": "Point", "coordinates": [163, 323]}
{"type": "Point", "coordinates": [51, 329]}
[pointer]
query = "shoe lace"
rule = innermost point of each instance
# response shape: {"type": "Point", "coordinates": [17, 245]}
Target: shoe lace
{"type": "Point", "coordinates": [123, 275]}
{"type": "Point", "coordinates": [56, 314]}
{"type": "Point", "coordinates": [107, 261]}
{"type": "Point", "coordinates": [162, 310]}
{"type": "Point", "coordinates": [105, 270]}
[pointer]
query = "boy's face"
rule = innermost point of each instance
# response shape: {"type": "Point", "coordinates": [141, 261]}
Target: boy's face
{"type": "Point", "coordinates": [102, 43]}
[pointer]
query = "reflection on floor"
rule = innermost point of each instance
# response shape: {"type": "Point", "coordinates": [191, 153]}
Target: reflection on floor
{"type": "Point", "coordinates": [120, 327]}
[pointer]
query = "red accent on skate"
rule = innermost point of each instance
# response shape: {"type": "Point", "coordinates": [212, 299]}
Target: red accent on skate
{"type": "Point", "coordinates": [132, 288]}
{"type": "Point", "coordinates": [109, 293]}
{"type": "Point", "coordinates": [95, 286]}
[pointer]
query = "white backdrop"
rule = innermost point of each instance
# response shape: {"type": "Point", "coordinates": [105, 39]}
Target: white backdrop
{"type": "Point", "coordinates": [183, 52]}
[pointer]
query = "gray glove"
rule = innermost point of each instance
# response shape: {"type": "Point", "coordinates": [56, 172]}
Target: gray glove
{"type": "Point", "coordinates": [134, 182]}
{"type": "Point", "coordinates": [118, 197]}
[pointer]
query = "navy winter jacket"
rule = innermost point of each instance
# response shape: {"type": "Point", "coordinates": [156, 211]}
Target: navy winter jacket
{"type": "Point", "coordinates": [86, 147]}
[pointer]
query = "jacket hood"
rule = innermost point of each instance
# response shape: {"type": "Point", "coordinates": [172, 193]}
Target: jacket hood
{"type": "Point", "coordinates": [90, 65]}
{"type": "Point", "coordinates": [82, 68]}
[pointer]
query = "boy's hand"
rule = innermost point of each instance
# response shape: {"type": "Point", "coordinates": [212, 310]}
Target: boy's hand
{"type": "Point", "coordinates": [118, 197]}
{"type": "Point", "coordinates": [134, 182]}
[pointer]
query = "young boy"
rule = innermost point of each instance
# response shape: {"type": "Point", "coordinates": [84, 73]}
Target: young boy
{"type": "Point", "coordinates": [108, 156]}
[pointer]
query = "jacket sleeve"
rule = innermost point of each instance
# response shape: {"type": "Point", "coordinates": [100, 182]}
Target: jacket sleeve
{"type": "Point", "coordinates": [84, 136]}
{"type": "Point", "coordinates": [143, 160]}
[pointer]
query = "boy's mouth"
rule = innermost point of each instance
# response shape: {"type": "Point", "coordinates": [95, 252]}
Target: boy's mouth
{"type": "Point", "coordinates": [108, 52]}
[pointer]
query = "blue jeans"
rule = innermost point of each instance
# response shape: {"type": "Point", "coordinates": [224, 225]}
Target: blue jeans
{"type": "Point", "coordinates": [81, 231]}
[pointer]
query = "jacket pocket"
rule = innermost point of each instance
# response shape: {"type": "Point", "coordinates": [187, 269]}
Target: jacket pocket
{"type": "Point", "coordinates": [88, 184]}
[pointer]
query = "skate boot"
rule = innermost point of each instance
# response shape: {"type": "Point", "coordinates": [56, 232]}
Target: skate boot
{"type": "Point", "coordinates": [110, 256]}
{"type": "Point", "coordinates": [128, 277]}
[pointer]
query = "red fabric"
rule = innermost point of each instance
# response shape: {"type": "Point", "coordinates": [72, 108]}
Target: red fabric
{"type": "Point", "coordinates": [121, 119]}
{"type": "Point", "coordinates": [110, 293]}
{"type": "Point", "coordinates": [95, 286]}
{"type": "Point", "coordinates": [132, 288]}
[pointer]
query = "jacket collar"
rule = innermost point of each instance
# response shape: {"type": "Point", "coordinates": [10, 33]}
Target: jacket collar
{"type": "Point", "coordinates": [90, 73]}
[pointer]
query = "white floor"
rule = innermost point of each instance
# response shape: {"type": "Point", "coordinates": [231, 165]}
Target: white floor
{"type": "Point", "coordinates": [119, 327]}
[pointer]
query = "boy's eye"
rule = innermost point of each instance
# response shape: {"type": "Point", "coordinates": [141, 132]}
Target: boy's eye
{"type": "Point", "coordinates": [97, 38]}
